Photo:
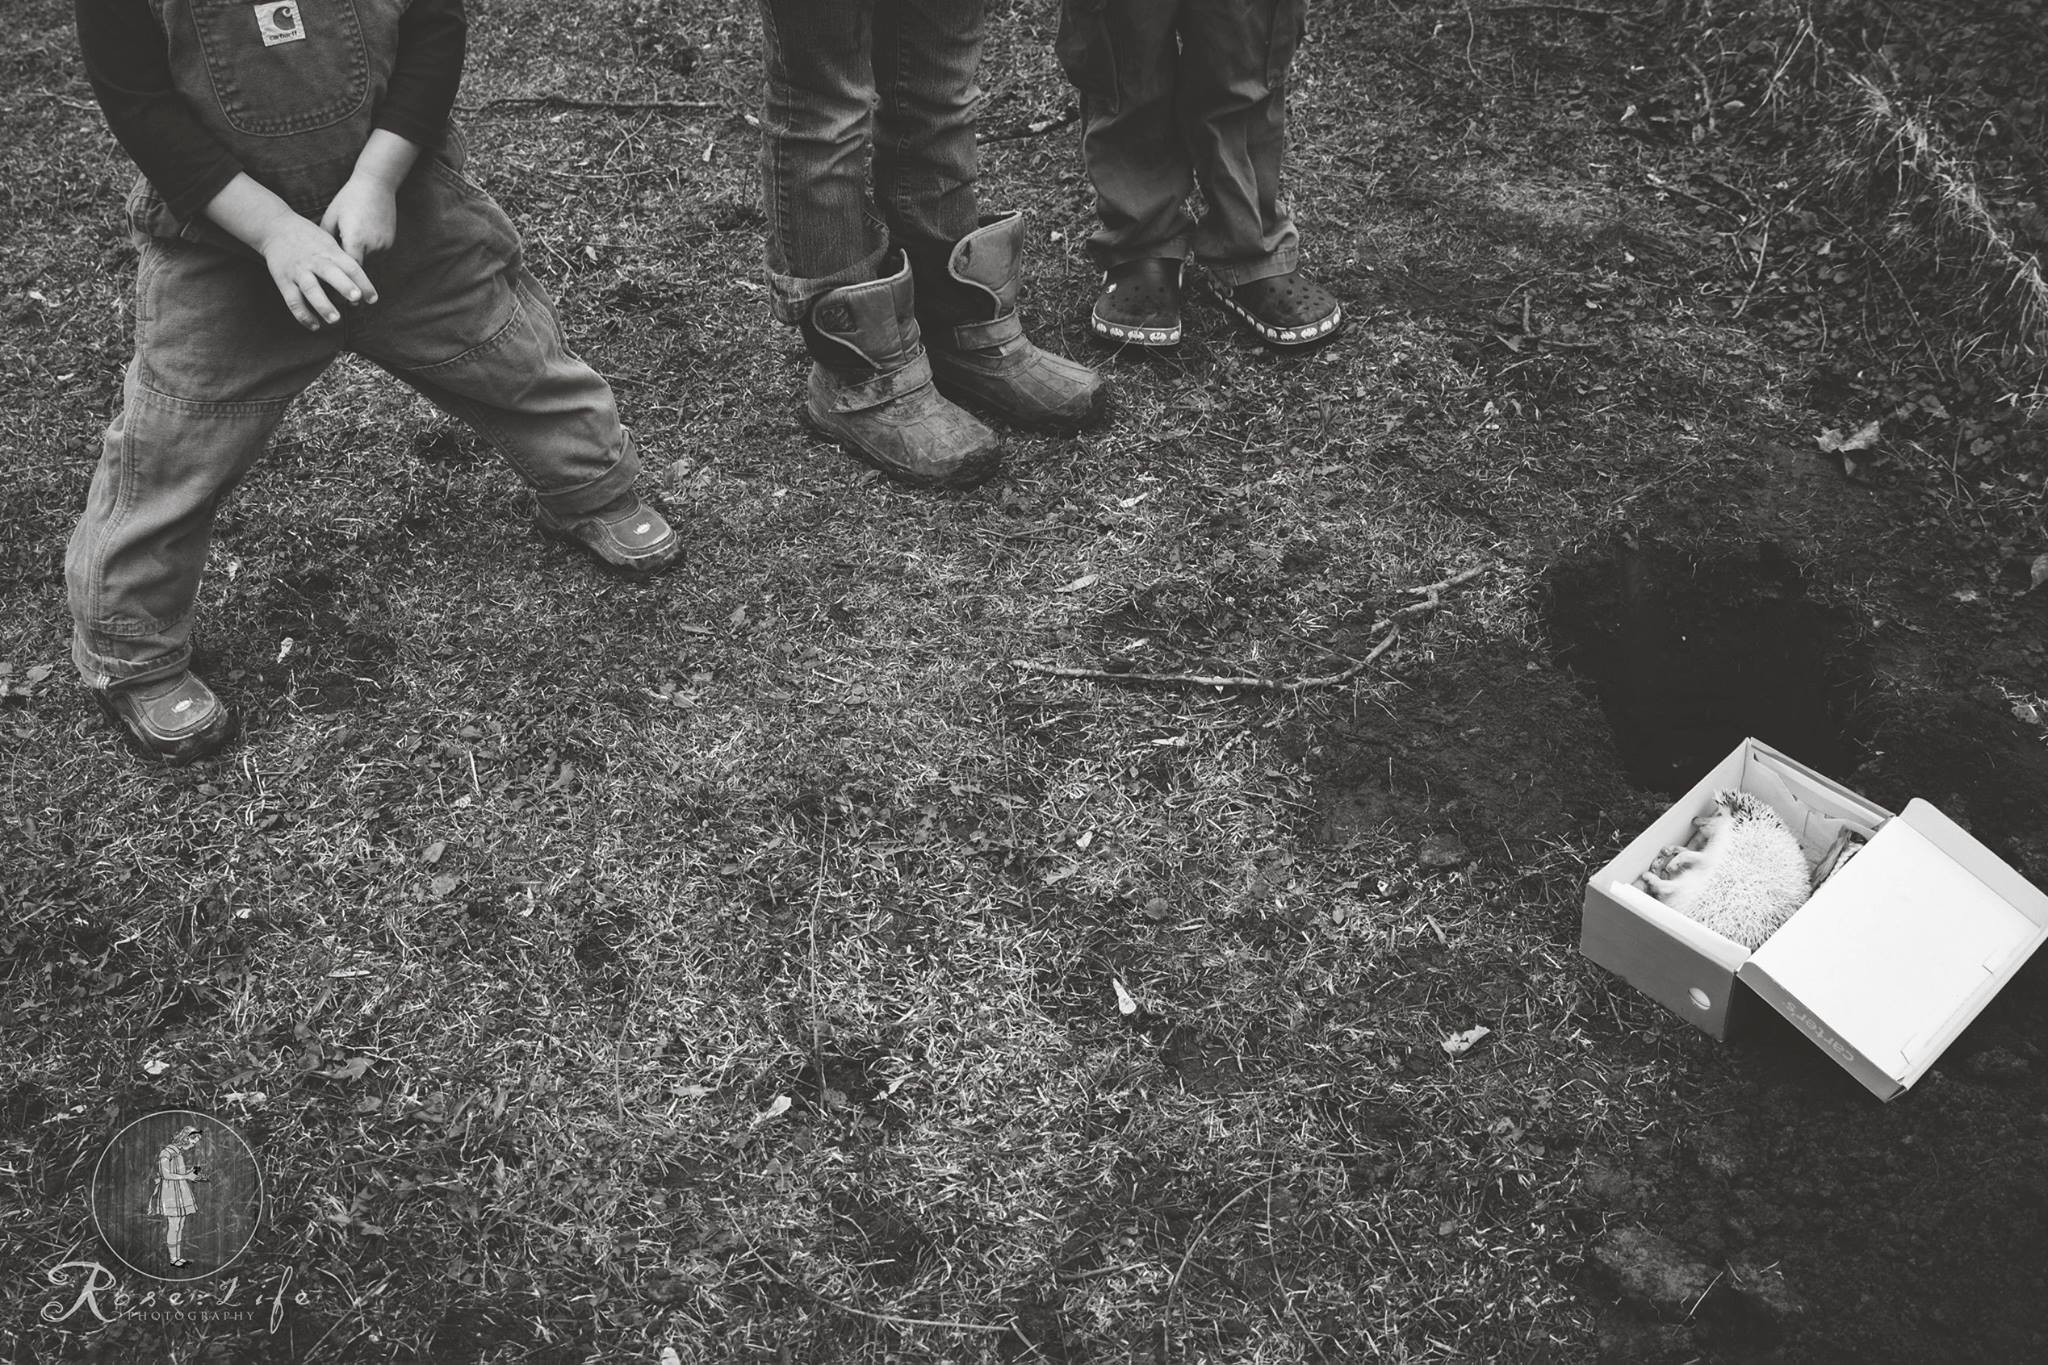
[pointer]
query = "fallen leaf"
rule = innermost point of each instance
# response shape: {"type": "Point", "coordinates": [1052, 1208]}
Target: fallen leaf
{"type": "Point", "coordinates": [155, 1066]}
{"type": "Point", "coordinates": [775, 1110]}
{"type": "Point", "coordinates": [350, 1070]}
{"type": "Point", "coordinates": [669, 1356]}
{"type": "Point", "coordinates": [1863, 438]}
{"type": "Point", "coordinates": [1086, 580]}
{"type": "Point", "coordinates": [434, 852]}
{"type": "Point", "coordinates": [1126, 1003]}
{"type": "Point", "coordinates": [2037, 572]}
{"type": "Point", "coordinates": [1458, 1044]}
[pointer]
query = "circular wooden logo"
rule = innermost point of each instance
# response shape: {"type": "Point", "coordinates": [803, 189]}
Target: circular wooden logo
{"type": "Point", "coordinates": [177, 1195]}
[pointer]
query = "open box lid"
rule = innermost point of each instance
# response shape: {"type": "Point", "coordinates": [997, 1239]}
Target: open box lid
{"type": "Point", "coordinates": [1901, 948]}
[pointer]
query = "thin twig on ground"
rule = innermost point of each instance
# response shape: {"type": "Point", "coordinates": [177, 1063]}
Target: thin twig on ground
{"type": "Point", "coordinates": [1017, 132]}
{"type": "Point", "coordinates": [1173, 1284]}
{"type": "Point", "coordinates": [603, 106]}
{"type": "Point", "coordinates": [1389, 624]}
{"type": "Point", "coordinates": [39, 99]}
{"type": "Point", "coordinates": [894, 1319]}
{"type": "Point", "coordinates": [1583, 11]}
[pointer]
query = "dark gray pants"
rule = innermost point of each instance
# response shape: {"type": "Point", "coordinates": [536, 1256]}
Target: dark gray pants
{"type": "Point", "coordinates": [1177, 94]}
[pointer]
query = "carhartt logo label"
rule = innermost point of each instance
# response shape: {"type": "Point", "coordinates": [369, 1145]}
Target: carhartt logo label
{"type": "Point", "coordinates": [280, 23]}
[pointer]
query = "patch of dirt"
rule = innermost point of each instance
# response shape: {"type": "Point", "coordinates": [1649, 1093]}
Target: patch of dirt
{"type": "Point", "coordinates": [1492, 745]}
{"type": "Point", "coordinates": [1687, 653]}
{"type": "Point", "coordinates": [882, 1237]}
{"type": "Point", "coordinates": [1840, 623]}
{"type": "Point", "coordinates": [329, 657]}
{"type": "Point", "coordinates": [1844, 1229]}
{"type": "Point", "coordinates": [1969, 755]}
{"type": "Point", "coordinates": [1904, 1232]}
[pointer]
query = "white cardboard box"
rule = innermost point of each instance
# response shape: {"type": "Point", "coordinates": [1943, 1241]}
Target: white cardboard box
{"type": "Point", "coordinates": [1883, 966]}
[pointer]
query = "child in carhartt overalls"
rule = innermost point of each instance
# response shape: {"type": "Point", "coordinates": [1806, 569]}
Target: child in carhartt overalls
{"type": "Point", "coordinates": [300, 196]}
{"type": "Point", "coordinates": [1177, 94]}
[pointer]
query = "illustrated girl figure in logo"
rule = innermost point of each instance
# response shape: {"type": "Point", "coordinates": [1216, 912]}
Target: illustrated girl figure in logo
{"type": "Point", "coordinates": [171, 1198]}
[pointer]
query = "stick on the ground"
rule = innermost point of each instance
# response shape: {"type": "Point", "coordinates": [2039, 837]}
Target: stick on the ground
{"type": "Point", "coordinates": [1390, 625]}
{"type": "Point", "coordinates": [566, 102]}
{"type": "Point", "coordinates": [1583, 11]}
{"type": "Point", "coordinates": [1037, 127]}
{"type": "Point", "coordinates": [894, 1319]}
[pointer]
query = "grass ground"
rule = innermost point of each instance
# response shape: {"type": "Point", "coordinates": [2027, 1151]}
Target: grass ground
{"type": "Point", "coordinates": [761, 965]}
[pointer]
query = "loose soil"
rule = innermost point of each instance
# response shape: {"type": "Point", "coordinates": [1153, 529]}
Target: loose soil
{"type": "Point", "coordinates": [535, 801]}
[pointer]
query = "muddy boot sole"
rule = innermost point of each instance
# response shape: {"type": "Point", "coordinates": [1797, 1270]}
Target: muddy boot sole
{"type": "Point", "coordinates": [970, 473]}
{"type": "Point", "coordinates": [1098, 408]}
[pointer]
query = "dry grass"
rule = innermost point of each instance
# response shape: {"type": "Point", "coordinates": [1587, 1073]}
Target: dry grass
{"type": "Point", "coordinates": [733, 965]}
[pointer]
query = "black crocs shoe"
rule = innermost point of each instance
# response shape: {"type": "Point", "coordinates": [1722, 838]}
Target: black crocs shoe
{"type": "Point", "coordinates": [1283, 310]}
{"type": "Point", "coordinates": [175, 719]}
{"type": "Point", "coordinates": [1140, 303]}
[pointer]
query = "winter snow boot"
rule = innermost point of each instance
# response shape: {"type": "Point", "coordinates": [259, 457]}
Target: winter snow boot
{"type": "Point", "coordinates": [871, 389]}
{"type": "Point", "coordinates": [967, 303]}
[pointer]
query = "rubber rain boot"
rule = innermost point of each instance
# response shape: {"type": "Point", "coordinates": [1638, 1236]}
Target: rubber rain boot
{"type": "Point", "coordinates": [871, 389]}
{"type": "Point", "coordinates": [967, 303]}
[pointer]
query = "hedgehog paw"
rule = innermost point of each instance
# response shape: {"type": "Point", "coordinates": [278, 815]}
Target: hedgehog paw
{"type": "Point", "coordinates": [1678, 859]}
{"type": "Point", "coordinates": [1661, 887]}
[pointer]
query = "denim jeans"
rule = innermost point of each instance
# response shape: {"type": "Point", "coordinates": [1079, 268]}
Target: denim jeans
{"type": "Point", "coordinates": [1180, 93]}
{"type": "Point", "coordinates": [218, 359]}
{"type": "Point", "coordinates": [849, 81]}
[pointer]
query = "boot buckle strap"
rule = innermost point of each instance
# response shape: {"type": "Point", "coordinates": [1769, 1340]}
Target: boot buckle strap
{"type": "Point", "coordinates": [886, 387]}
{"type": "Point", "coordinates": [983, 336]}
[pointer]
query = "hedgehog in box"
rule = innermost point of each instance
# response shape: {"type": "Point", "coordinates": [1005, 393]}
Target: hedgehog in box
{"type": "Point", "coordinates": [1742, 874]}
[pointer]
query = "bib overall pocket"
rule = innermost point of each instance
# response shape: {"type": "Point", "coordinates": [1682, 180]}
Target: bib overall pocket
{"type": "Point", "coordinates": [287, 66]}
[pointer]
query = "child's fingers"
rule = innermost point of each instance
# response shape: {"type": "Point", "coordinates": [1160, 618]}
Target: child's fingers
{"type": "Point", "coordinates": [315, 307]}
{"type": "Point", "coordinates": [348, 275]}
{"type": "Point", "coordinates": [296, 303]}
{"type": "Point", "coordinates": [341, 276]}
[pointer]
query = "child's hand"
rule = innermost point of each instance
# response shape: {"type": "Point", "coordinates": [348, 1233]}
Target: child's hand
{"type": "Point", "coordinates": [363, 217]}
{"type": "Point", "coordinates": [305, 264]}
